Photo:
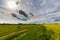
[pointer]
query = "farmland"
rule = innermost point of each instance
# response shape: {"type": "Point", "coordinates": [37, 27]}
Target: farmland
{"type": "Point", "coordinates": [30, 32]}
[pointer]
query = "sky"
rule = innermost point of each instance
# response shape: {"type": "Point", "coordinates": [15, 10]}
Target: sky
{"type": "Point", "coordinates": [44, 11]}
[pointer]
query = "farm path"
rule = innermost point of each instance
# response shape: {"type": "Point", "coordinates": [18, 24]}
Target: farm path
{"type": "Point", "coordinates": [15, 34]}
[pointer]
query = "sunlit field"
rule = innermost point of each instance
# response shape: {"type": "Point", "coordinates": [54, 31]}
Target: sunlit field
{"type": "Point", "coordinates": [30, 32]}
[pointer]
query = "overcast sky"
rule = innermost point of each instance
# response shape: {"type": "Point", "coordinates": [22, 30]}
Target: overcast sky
{"type": "Point", "coordinates": [44, 11]}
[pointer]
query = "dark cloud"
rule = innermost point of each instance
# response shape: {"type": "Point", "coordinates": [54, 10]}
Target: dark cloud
{"type": "Point", "coordinates": [14, 15]}
{"type": "Point", "coordinates": [56, 19]}
{"type": "Point", "coordinates": [23, 13]}
{"type": "Point", "coordinates": [31, 14]}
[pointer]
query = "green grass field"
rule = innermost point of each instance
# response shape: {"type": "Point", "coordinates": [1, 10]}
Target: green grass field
{"type": "Point", "coordinates": [30, 32]}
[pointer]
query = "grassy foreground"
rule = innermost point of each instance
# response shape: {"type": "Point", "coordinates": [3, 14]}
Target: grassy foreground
{"type": "Point", "coordinates": [30, 32]}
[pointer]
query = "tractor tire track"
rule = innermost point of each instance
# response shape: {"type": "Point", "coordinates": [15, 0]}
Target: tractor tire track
{"type": "Point", "coordinates": [24, 33]}
{"type": "Point", "coordinates": [13, 35]}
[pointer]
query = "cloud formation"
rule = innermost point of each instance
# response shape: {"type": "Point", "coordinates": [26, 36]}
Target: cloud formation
{"type": "Point", "coordinates": [43, 11]}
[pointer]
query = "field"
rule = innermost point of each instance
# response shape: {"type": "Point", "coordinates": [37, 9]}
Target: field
{"type": "Point", "coordinates": [30, 32]}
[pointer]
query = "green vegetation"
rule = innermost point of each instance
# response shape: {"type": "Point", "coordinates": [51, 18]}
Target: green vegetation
{"type": "Point", "coordinates": [28, 32]}
{"type": "Point", "coordinates": [7, 29]}
{"type": "Point", "coordinates": [38, 33]}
